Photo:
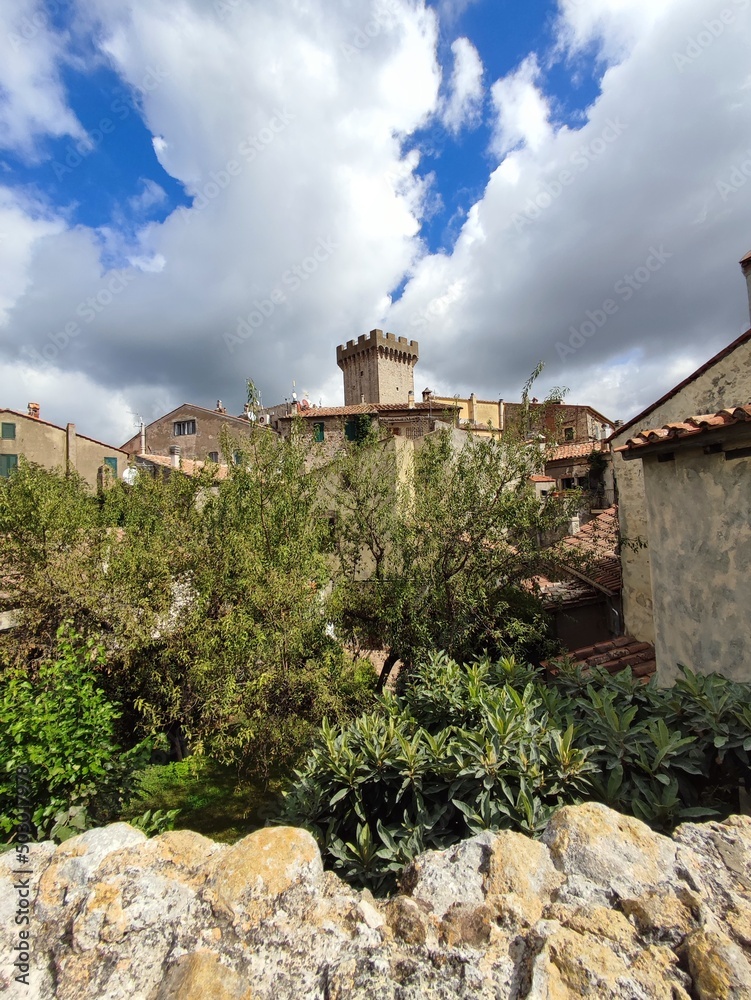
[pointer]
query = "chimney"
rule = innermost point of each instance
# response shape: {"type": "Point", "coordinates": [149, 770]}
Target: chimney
{"type": "Point", "coordinates": [411, 399]}
{"type": "Point", "coordinates": [174, 455]}
{"type": "Point", "coordinates": [33, 410]}
{"type": "Point", "coordinates": [426, 394]}
{"type": "Point", "coordinates": [219, 407]}
{"type": "Point", "coordinates": [746, 268]}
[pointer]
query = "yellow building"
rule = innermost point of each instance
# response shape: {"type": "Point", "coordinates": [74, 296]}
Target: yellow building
{"type": "Point", "coordinates": [24, 434]}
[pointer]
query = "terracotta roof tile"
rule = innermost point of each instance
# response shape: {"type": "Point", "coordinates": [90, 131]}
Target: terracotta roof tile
{"type": "Point", "coordinates": [598, 543]}
{"type": "Point", "coordinates": [614, 656]}
{"type": "Point", "coordinates": [576, 450]}
{"type": "Point", "coordinates": [702, 423]}
{"type": "Point", "coordinates": [369, 408]}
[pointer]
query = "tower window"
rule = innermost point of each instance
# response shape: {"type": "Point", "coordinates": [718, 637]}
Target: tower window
{"type": "Point", "coordinates": [568, 433]}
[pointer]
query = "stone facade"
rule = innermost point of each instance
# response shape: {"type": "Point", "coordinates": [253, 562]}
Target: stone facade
{"type": "Point", "coordinates": [378, 368]}
{"type": "Point", "coordinates": [601, 906]}
{"type": "Point", "coordinates": [56, 448]}
{"type": "Point", "coordinates": [698, 506]}
{"type": "Point", "coordinates": [723, 381]}
{"type": "Point", "coordinates": [195, 430]}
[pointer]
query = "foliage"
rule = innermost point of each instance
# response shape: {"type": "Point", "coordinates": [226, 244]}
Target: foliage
{"type": "Point", "coordinates": [489, 745]}
{"type": "Point", "coordinates": [60, 726]}
{"type": "Point", "coordinates": [434, 552]}
{"type": "Point", "coordinates": [206, 595]}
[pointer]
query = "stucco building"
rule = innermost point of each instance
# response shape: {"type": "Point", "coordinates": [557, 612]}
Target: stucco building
{"type": "Point", "coordinates": [696, 475]}
{"type": "Point", "coordinates": [55, 447]}
{"type": "Point", "coordinates": [725, 380]}
{"type": "Point", "coordinates": [194, 430]}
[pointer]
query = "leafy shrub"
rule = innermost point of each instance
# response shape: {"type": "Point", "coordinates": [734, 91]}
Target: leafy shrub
{"type": "Point", "coordinates": [490, 745]}
{"type": "Point", "coordinates": [59, 725]}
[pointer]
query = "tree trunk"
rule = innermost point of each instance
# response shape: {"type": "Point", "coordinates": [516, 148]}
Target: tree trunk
{"type": "Point", "coordinates": [386, 670]}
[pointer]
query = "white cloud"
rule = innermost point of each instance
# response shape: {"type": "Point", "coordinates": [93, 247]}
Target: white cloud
{"type": "Point", "coordinates": [32, 98]}
{"type": "Point", "coordinates": [463, 106]}
{"type": "Point", "coordinates": [569, 214]}
{"type": "Point", "coordinates": [523, 111]}
{"type": "Point", "coordinates": [285, 121]}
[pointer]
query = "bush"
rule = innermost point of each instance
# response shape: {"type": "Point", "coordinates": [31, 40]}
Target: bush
{"type": "Point", "coordinates": [59, 732]}
{"type": "Point", "coordinates": [491, 746]}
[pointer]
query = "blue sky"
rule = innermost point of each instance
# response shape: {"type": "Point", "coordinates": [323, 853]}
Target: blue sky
{"type": "Point", "coordinates": [201, 192]}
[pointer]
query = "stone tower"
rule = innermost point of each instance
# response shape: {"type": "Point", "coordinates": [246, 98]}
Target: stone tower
{"type": "Point", "coordinates": [378, 368]}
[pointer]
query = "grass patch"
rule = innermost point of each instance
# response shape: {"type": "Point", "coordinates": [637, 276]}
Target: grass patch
{"type": "Point", "coordinates": [209, 798]}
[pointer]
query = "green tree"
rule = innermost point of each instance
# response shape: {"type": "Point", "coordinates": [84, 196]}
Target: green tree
{"type": "Point", "coordinates": [433, 551]}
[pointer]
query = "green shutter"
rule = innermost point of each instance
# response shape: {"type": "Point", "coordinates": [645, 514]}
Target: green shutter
{"type": "Point", "coordinates": [9, 432]}
{"type": "Point", "coordinates": [7, 464]}
{"type": "Point", "coordinates": [318, 432]}
{"type": "Point", "coordinates": [112, 463]}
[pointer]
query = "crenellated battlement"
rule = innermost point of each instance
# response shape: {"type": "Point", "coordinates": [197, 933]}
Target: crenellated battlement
{"type": "Point", "coordinates": [378, 367]}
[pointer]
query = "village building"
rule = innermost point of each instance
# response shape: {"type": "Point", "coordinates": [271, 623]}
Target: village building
{"type": "Point", "coordinates": [192, 432]}
{"type": "Point", "coordinates": [27, 435]}
{"type": "Point", "coordinates": [696, 475]}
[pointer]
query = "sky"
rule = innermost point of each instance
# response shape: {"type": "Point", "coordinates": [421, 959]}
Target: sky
{"type": "Point", "coordinates": [198, 192]}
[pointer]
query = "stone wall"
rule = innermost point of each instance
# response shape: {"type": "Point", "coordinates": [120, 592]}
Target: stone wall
{"type": "Point", "coordinates": [726, 383]}
{"type": "Point", "coordinates": [699, 516]}
{"type": "Point", "coordinates": [601, 907]}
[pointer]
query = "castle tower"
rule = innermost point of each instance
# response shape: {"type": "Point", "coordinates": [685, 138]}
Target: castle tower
{"type": "Point", "coordinates": [378, 368]}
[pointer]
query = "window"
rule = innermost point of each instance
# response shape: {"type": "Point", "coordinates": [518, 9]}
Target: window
{"type": "Point", "coordinates": [568, 484]}
{"type": "Point", "coordinates": [350, 430]}
{"type": "Point", "coordinates": [214, 457]}
{"type": "Point", "coordinates": [183, 427]}
{"type": "Point", "coordinates": [111, 463]}
{"type": "Point", "coordinates": [9, 432]}
{"type": "Point", "coordinates": [7, 464]}
{"type": "Point", "coordinates": [318, 432]}
{"type": "Point", "coordinates": [568, 433]}
{"type": "Point", "coordinates": [582, 482]}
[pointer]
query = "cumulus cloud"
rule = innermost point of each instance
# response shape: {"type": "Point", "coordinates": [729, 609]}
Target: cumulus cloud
{"type": "Point", "coordinates": [629, 210]}
{"type": "Point", "coordinates": [463, 106]}
{"type": "Point", "coordinates": [32, 99]}
{"type": "Point", "coordinates": [522, 109]}
{"type": "Point", "coordinates": [287, 125]}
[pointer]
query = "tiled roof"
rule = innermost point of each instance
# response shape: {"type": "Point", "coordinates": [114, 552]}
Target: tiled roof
{"type": "Point", "coordinates": [598, 543]}
{"type": "Point", "coordinates": [576, 450]}
{"type": "Point", "coordinates": [614, 655]}
{"type": "Point", "coordinates": [541, 479]}
{"type": "Point", "coordinates": [691, 427]}
{"type": "Point", "coordinates": [369, 408]}
{"type": "Point", "coordinates": [682, 385]}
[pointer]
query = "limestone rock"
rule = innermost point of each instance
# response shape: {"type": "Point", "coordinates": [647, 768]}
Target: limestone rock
{"type": "Point", "coordinates": [602, 907]}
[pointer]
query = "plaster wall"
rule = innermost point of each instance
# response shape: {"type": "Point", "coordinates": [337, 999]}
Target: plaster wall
{"type": "Point", "coordinates": [160, 434]}
{"type": "Point", "coordinates": [56, 448]}
{"type": "Point", "coordinates": [699, 519]}
{"type": "Point", "coordinates": [726, 383]}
